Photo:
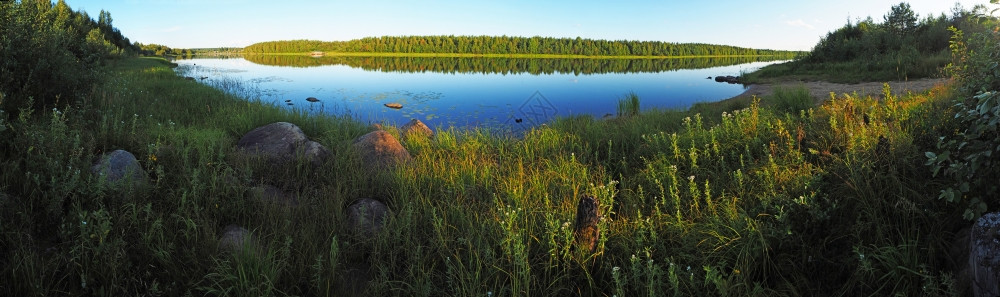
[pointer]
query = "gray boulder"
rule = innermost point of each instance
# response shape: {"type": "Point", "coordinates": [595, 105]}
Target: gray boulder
{"type": "Point", "coordinates": [281, 142]}
{"type": "Point", "coordinates": [416, 127]}
{"type": "Point", "coordinates": [120, 166]}
{"type": "Point", "coordinates": [984, 255]}
{"type": "Point", "coordinates": [366, 217]}
{"type": "Point", "coordinates": [234, 238]}
{"type": "Point", "coordinates": [378, 148]}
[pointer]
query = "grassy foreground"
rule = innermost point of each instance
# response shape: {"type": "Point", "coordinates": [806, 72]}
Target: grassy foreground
{"type": "Point", "coordinates": [728, 199]}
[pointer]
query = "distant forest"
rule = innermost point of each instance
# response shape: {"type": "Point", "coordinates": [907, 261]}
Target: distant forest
{"type": "Point", "coordinates": [503, 65]}
{"type": "Point", "coordinates": [505, 45]}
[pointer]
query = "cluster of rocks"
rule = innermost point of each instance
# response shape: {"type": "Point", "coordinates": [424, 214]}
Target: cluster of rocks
{"type": "Point", "coordinates": [283, 143]}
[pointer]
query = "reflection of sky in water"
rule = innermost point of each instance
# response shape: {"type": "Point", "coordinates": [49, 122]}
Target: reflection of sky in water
{"type": "Point", "coordinates": [459, 99]}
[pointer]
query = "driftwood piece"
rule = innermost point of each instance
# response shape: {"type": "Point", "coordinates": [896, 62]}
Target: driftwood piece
{"type": "Point", "coordinates": [585, 229]}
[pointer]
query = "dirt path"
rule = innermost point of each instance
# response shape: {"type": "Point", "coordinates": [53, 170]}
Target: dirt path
{"type": "Point", "coordinates": [821, 90]}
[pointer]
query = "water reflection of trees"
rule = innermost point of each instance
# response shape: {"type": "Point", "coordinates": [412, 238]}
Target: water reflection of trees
{"type": "Point", "coordinates": [504, 65]}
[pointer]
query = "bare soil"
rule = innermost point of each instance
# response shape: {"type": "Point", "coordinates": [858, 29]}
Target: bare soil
{"type": "Point", "coordinates": [821, 90]}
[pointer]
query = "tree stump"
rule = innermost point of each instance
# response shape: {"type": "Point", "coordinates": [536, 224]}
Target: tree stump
{"type": "Point", "coordinates": [984, 256]}
{"type": "Point", "coordinates": [585, 229]}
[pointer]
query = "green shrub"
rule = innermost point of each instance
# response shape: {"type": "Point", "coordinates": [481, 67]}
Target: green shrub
{"type": "Point", "coordinates": [51, 53]}
{"type": "Point", "coordinates": [968, 156]}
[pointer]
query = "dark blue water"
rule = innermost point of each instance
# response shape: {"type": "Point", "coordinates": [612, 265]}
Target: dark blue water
{"type": "Point", "coordinates": [442, 100]}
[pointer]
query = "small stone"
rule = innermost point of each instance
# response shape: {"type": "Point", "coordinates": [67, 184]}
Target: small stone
{"type": "Point", "coordinates": [366, 216]}
{"type": "Point", "coordinates": [315, 152]}
{"type": "Point", "coordinates": [120, 165]}
{"type": "Point", "coordinates": [416, 127]}
{"type": "Point", "coordinates": [234, 238]}
{"type": "Point", "coordinates": [272, 194]}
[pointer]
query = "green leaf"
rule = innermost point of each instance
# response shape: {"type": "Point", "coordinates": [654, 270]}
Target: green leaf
{"type": "Point", "coordinates": [947, 194]}
{"type": "Point", "coordinates": [969, 215]}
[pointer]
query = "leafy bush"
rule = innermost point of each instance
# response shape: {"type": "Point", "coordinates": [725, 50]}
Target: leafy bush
{"type": "Point", "coordinates": [967, 156]}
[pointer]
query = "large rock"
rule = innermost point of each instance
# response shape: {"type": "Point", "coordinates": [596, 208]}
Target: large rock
{"type": "Point", "coordinates": [234, 238]}
{"type": "Point", "coordinates": [281, 142]}
{"type": "Point", "coordinates": [120, 166]}
{"type": "Point", "coordinates": [378, 148]}
{"type": "Point", "coordinates": [728, 79]}
{"type": "Point", "coordinates": [984, 255]}
{"type": "Point", "coordinates": [366, 216]}
{"type": "Point", "coordinates": [416, 128]}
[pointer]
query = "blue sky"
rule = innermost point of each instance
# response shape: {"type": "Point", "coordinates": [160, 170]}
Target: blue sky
{"type": "Point", "coordinates": [772, 24]}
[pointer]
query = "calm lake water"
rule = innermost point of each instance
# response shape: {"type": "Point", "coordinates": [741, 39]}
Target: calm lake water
{"type": "Point", "coordinates": [462, 92]}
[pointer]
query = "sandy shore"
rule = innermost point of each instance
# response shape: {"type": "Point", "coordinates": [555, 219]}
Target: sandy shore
{"type": "Point", "coordinates": [821, 90]}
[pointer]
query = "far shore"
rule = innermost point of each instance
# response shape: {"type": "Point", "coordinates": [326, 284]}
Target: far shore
{"type": "Point", "coordinates": [531, 56]}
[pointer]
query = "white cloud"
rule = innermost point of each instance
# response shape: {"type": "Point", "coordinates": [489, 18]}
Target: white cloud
{"type": "Point", "coordinates": [800, 23]}
{"type": "Point", "coordinates": [171, 29]}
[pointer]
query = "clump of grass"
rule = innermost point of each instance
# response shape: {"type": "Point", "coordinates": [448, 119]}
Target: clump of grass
{"type": "Point", "coordinates": [791, 99]}
{"type": "Point", "coordinates": [629, 105]}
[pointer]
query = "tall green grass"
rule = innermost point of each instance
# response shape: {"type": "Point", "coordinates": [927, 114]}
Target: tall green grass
{"type": "Point", "coordinates": [724, 199]}
{"type": "Point", "coordinates": [791, 99]}
{"type": "Point", "coordinates": [629, 105]}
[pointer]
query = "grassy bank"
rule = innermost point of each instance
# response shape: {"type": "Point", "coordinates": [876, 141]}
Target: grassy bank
{"type": "Point", "coordinates": [853, 71]}
{"type": "Point", "coordinates": [735, 198]}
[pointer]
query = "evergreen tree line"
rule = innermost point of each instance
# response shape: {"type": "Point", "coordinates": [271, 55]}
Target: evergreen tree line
{"type": "Point", "coordinates": [504, 65]}
{"type": "Point", "coordinates": [50, 52]}
{"type": "Point", "coordinates": [507, 45]}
